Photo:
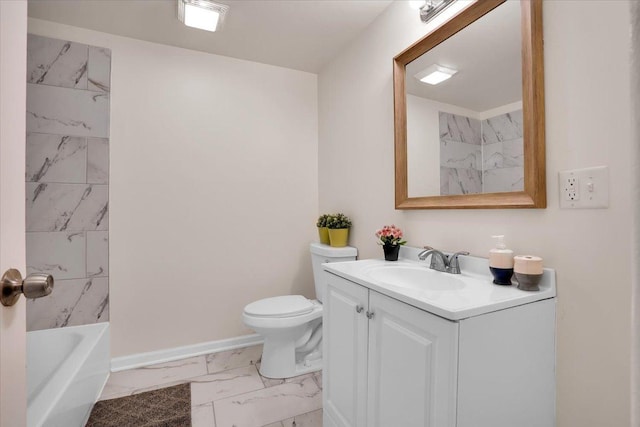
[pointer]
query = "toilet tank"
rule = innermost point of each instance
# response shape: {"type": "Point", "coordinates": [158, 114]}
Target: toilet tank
{"type": "Point", "coordinates": [321, 254]}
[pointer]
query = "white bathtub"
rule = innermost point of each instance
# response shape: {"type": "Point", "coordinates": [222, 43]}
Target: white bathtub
{"type": "Point", "coordinates": [66, 370]}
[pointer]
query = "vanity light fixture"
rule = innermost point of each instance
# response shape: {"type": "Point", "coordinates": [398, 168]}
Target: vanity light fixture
{"type": "Point", "coordinates": [435, 74]}
{"type": "Point", "coordinates": [202, 14]}
{"type": "Point", "coordinates": [429, 8]}
{"type": "Point", "coordinates": [417, 4]}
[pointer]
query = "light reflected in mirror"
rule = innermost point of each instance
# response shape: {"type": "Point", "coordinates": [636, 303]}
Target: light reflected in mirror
{"type": "Point", "coordinates": [464, 134]}
{"type": "Point", "coordinates": [476, 139]}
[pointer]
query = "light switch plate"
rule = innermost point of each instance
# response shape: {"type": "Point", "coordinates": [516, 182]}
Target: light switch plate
{"type": "Point", "coordinates": [586, 188]}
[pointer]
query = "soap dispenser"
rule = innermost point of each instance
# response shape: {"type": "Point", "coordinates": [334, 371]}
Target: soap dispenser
{"type": "Point", "coordinates": [501, 262]}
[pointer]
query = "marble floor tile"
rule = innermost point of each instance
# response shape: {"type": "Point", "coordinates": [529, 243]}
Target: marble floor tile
{"type": "Point", "coordinates": [230, 359]}
{"type": "Point", "coordinates": [235, 397]}
{"type": "Point", "coordinates": [299, 378]}
{"type": "Point", "coordinates": [310, 419]}
{"type": "Point", "coordinates": [217, 386]}
{"type": "Point", "coordinates": [317, 376]}
{"type": "Point", "coordinates": [270, 382]}
{"type": "Point", "coordinates": [125, 383]}
{"type": "Point", "coordinates": [259, 408]}
{"type": "Point", "coordinates": [202, 416]}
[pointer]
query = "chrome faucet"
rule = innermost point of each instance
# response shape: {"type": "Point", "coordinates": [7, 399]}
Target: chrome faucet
{"type": "Point", "coordinates": [440, 261]}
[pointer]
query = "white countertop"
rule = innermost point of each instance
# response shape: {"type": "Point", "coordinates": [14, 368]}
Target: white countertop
{"type": "Point", "coordinates": [454, 296]}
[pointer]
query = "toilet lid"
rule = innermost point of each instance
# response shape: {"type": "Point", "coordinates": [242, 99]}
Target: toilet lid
{"type": "Point", "coordinates": [289, 305]}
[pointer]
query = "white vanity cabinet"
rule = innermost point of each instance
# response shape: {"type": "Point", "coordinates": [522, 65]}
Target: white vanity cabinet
{"type": "Point", "coordinates": [388, 363]}
{"type": "Point", "coordinates": [344, 353]}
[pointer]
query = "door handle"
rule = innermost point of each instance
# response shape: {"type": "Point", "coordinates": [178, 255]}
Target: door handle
{"type": "Point", "coordinates": [359, 308]}
{"type": "Point", "coordinates": [369, 314]}
{"type": "Point", "coordinates": [35, 285]}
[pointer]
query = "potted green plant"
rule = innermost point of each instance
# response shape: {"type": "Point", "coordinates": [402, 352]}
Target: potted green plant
{"type": "Point", "coordinates": [390, 238]}
{"type": "Point", "coordinates": [338, 225]}
{"type": "Point", "coordinates": [323, 231]}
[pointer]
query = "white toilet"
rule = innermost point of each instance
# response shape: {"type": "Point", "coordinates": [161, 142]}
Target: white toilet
{"type": "Point", "coordinates": [292, 325]}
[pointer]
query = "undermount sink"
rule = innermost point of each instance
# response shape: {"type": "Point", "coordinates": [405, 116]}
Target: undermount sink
{"type": "Point", "coordinates": [411, 276]}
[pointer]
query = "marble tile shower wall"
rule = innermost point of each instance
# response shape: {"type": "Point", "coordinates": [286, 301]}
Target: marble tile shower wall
{"type": "Point", "coordinates": [67, 180]}
{"type": "Point", "coordinates": [460, 155]}
{"type": "Point", "coordinates": [503, 153]}
{"type": "Point", "coordinates": [481, 156]}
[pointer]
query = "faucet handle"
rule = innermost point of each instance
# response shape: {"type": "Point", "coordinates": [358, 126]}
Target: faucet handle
{"type": "Point", "coordinates": [459, 253]}
{"type": "Point", "coordinates": [423, 255]}
{"type": "Point", "coordinates": [454, 264]}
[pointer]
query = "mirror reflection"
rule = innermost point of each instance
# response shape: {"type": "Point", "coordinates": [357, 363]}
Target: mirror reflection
{"type": "Point", "coordinates": [464, 110]}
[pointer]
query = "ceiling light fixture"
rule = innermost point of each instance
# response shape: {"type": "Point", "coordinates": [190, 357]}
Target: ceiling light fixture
{"type": "Point", "coordinates": [435, 74]}
{"type": "Point", "coordinates": [430, 8]}
{"type": "Point", "coordinates": [202, 14]}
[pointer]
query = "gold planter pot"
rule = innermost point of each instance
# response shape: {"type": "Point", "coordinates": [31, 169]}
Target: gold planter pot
{"type": "Point", "coordinates": [339, 237]}
{"type": "Point", "coordinates": [323, 232]}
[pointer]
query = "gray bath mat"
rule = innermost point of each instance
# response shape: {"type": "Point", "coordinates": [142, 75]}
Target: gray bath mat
{"type": "Point", "coordinates": [166, 407]}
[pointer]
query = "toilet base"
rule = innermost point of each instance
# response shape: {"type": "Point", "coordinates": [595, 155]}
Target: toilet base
{"type": "Point", "coordinates": [299, 369]}
{"type": "Point", "coordinates": [280, 360]}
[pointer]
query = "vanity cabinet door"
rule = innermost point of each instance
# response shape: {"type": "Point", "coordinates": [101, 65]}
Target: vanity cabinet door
{"type": "Point", "coordinates": [412, 366]}
{"type": "Point", "coordinates": [345, 329]}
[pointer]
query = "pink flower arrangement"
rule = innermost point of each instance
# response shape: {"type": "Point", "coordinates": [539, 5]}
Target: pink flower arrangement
{"type": "Point", "coordinates": [390, 235]}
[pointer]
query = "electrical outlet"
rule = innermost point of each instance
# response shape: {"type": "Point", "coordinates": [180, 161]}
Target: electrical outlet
{"type": "Point", "coordinates": [571, 188]}
{"type": "Point", "coordinates": [584, 188]}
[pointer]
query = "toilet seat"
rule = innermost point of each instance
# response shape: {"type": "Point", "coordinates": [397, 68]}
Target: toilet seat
{"type": "Point", "coordinates": [282, 306]}
{"type": "Point", "coordinates": [282, 321]}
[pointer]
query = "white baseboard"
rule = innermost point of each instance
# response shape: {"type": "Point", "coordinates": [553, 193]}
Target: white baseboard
{"type": "Point", "coordinates": [170, 354]}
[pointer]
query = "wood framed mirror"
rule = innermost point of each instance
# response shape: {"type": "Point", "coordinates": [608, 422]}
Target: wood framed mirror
{"type": "Point", "coordinates": [491, 145]}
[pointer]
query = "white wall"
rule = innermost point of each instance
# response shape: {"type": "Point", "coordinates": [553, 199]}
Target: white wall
{"type": "Point", "coordinates": [423, 142]}
{"type": "Point", "coordinates": [635, 132]}
{"type": "Point", "coordinates": [213, 189]}
{"type": "Point", "coordinates": [587, 124]}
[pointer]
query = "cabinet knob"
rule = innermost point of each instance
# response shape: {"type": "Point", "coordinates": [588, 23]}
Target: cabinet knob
{"type": "Point", "coordinates": [359, 308]}
{"type": "Point", "coordinates": [370, 314]}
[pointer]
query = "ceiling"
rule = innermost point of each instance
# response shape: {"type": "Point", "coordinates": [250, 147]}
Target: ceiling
{"type": "Point", "coordinates": [299, 34]}
{"type": "Point", "coordinates": [487, 55]}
